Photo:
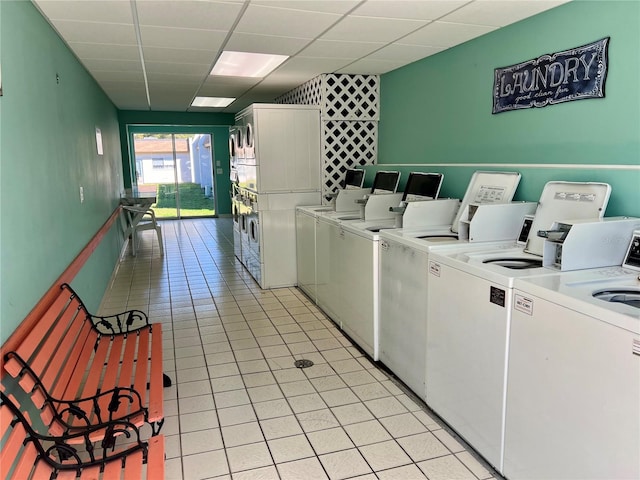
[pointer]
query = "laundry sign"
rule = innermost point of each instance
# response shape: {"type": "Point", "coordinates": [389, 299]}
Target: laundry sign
{"type": "Point", "coordinates": [565, 76]}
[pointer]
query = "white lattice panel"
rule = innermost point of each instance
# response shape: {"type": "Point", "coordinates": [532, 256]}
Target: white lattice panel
{"type": "Point", "coordinates": [309, 93]}
{"type": "Point", "coordinates": [350, 112]}
{"type": "Point", "coordinates": [350, 97]}
{"type": "Point", "coordinates": [347, 144]}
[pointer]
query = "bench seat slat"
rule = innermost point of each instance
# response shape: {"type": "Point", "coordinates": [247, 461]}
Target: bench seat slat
{"type": "Point", "coordinates": [75, 374]}
{"type": "Point", "coordinates": [13, 445]}
{"type": "Point", "coordinates": [133, 465]}
{"type": "Point", "coordinates": [25, 463]}
{"type": "Point", "coordinates": [155, 458]}
{"type": "Point", "coordinates": [113, 470]}
{"type": "Point", "coordinates": [155, 401]}
{"type": "Point", "coordinates": [140, 381]}
{"type": "Point", "coordinates": [92, 473]}
{"type": "Point", "coordinates": [93, 376]}
{"type": "Point", "coordinates": [111, 373]}
{"type": "Point", "coordinates": [42, 471]}
{"type": "Point", "coordinates": [66, 475]}
{"type": "Point", "coordinates": [67, 383]}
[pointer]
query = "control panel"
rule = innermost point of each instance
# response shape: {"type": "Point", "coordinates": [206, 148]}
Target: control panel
{"type": "Point", "coordinates": [632, 258]}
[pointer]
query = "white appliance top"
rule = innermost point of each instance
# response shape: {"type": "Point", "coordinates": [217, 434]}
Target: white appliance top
{"type": "Point", "coordinates": [472, 261]}
{"type": "Point", "coordinates": [574, 290]}
{"type": "Point", "coordinates": [368, 229]}
{"type": "Point", "coordinates": [566, 200]}
{"type": "Point", "coordinates": [488, 187]}
{"type": "Point", "coordinates": [425, 239]}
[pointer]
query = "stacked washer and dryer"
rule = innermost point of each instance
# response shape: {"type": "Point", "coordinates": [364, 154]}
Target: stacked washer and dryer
{"type": "Point", "coordinates": [277, 164]}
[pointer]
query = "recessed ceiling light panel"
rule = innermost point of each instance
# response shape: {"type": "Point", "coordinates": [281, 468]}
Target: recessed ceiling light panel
{"type": "Point", "coordinates": [212, 102]}
{"type": "Point", "coordinates": [243, 64]}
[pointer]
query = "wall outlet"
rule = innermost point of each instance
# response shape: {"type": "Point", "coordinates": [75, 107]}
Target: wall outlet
{"type": "Point", "coordinates": [81, 194]}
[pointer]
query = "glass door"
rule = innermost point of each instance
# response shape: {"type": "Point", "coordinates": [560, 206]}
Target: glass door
{"type": "Point", "coordinates": [178, 168]}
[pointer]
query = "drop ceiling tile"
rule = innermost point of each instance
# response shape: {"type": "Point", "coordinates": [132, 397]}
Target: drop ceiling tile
{"type": "Point", "coordinates": [191, 69]}
{"type": "Point", "coordinates": [406, 53]}
{"type": "Point", "coordinates": [164, 97]}
{"type": "Point", "coordinates": [178, 103]}
{"type": "Point", "coordinates": [340, 49]}
{"type": "Point", "coordinates": [243, 82]}
{"type": "Point", "coordinates": [94, 32]}
{"type": "Point", "coordinates": [251, 42]}
{"type": "Point", "coordinates": [182, 38]}
{"type": "Point", "coordinates": [372, 67]}
{"type": "Point", "coordinates": [86, 51]}
{"type": "Point", "coordinates": [286, 81]}
{"type": "Point", "coordinates": [279, 21]}
{"type": "Point", "coordinates": [208, 15]}
{"type": "Point", "coordinates": [311, 66]}
{"type": "Point", "coordinates": [500, 12]}
{"type": "Point", "coordinates": [81, 10]}
{"type": "Point", "coordinates": [409, 9]}
{"type": "Point", "coordinates": [178, 55]}
{"type": "Point", "coordinates": [443, 34]}
{"type": "Point", "coordinates": [126, 95]}
{"type": "Point", "coordinates": [372, 29]}
{"type": "Point", "coordinates": [127, 103]}
{"type": "Point", "coordinates": [174, 78]}
{"type": "Point", "coordinates": [230, 91]}
{"type": "Point", "coordinates": [113, 65]}
{"type": "Point", "coordinates": [324, 6]}
{"type": "Point", "coordinates": [117, 76]}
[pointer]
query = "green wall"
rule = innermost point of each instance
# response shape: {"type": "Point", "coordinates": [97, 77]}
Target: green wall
{"type": "Point", "coordinates": [435, 114]}
{"type": "Point", "coordinates": [49, 111]}
{"type": "Point", "coordinates": [217, 124]}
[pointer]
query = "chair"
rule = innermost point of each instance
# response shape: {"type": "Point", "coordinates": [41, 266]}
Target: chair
{"type": "Point", "coordinates": [141, 219]}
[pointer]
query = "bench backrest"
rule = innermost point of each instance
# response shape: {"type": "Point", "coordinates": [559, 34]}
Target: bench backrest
{"type": "Point", "coordinates": [53, 355]}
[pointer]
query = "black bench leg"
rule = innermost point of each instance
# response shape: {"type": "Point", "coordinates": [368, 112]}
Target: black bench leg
{"type": "Point", "coordinates": [166, 381]}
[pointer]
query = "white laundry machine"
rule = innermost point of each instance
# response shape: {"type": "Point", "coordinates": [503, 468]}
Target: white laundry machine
{"type": "Point", "coordinates": [343, 202]}
{"type": "Point", "coordinates": [403, 261]}
{"type": "Point", "coordinates": [573, 385]}
{"type": "Point", "coordinates": [235, 152]}
{"type": "Point", "coordinates": [236, 213]}
{"type": "Point", "coordinates": [469, 313]}
{"type": "Point", "coordinates": [353, 254]}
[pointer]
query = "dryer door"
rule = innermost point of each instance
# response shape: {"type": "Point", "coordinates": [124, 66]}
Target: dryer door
{"type": "Point", "coordinates": [249, 148]}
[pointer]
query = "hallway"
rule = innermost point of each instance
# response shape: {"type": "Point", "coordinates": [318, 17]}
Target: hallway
{"type": "Point", "coordinates": [239, 408]}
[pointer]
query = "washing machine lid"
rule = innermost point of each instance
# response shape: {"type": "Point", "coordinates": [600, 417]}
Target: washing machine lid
{"type": "Point", "coordinates": [488, 187]}
{"type": "Point", "coordinates": [566, 200]}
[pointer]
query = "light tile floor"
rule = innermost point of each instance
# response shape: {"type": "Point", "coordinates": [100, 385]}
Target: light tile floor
{"type": "Point", "coordinates": [239, 408]}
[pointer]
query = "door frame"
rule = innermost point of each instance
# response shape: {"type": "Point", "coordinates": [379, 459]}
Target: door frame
{"type": "Point", "coordinates": [172, 129]}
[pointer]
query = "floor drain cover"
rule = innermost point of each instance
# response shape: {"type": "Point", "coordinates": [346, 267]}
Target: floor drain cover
{"type": "Point", "coordinates": [303, 363]}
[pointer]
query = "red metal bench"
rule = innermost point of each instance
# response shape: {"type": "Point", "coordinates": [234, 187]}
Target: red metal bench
{"type": "Point", "coordinates": [27, 454]}
{"type": "Point", "coordinates": [81, 369]}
